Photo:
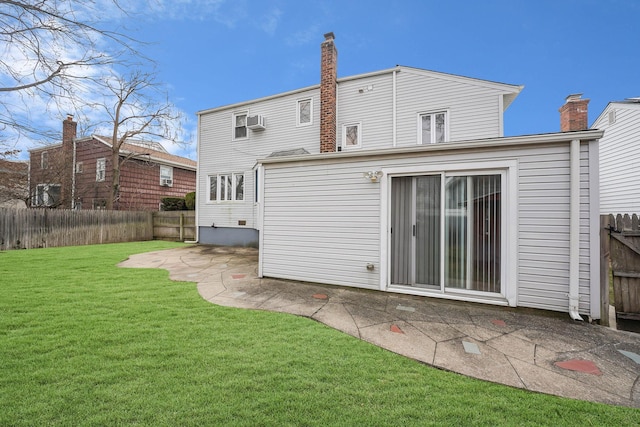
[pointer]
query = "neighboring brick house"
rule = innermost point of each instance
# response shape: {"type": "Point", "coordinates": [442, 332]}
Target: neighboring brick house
{"type": "Point", "coordinates": [13, 184]}
{"type": "Point", "coordinates": [77, 173]}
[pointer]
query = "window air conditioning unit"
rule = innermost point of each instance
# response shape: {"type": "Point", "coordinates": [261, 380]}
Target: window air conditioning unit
{"type": "Point", "coordinates": [166, 182]}
{"type": "Point", "coordinates": [256, 122]}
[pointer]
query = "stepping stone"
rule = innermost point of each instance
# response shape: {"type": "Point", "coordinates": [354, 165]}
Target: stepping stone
{"type": "Point", "coordinates": [321, 296]}
{"type": "Point", "coordinates": [584, 366]}
{"type": "Point", "coordinates": [238, 276]}
{"type": "Point", "coordinates": [396, 329]}
{"type": "Point", "coordinates": [633, 356]}
{"type": "Point", "coordinates": [470, 347]}
{"type": "Point", "coordinates": [499, 322]}
{"type": "Point", "coordinates": [405, 308]}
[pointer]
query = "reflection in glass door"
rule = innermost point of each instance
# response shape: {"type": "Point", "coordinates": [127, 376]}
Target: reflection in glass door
{"type": "Point", "coordinates": [415, 231]}
{"type": "Point", "coordinates": [467, 243]}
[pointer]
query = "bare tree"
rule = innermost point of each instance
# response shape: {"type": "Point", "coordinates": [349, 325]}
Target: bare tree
{"type": "Point", "coordinates": [138, 110]}
{"type": "Point", "coordinates": [47, 50]}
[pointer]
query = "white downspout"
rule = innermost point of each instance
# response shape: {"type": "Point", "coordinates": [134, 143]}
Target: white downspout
{"type": "Point", "coordinates": [393, 106]}
{"type": "Point", "coordinates": [198, 166]}
{"type": "Point", "coordinates": [574, 231]}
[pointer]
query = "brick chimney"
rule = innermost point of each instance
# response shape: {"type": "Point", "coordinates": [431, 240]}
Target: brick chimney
{"type": "Point", "coordinates": [69, 129]}
{"type": "Point", "coordinates": [328, 95]}
{"type": "Point", "coordinates": [574, 114]}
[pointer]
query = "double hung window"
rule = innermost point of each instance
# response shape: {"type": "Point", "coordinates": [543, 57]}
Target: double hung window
{"type": "Point", "coordinates": [101, 169]}
{"type": "Point", "coordinates": [240, 126]}
{"type": "Point", "coordinates": [166, 176]}
{"type": "Point", "coordinates": [47, 194]}
{"type": "Point", "coordinates": [44, 160]}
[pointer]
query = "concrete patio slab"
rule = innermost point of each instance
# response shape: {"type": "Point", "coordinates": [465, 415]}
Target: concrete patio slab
{"type": "Point", "coordinates": [517, 347]}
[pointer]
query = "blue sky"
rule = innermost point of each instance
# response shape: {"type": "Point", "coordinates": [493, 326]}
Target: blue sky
{"type": "Point", "coordinates": [213, 53]}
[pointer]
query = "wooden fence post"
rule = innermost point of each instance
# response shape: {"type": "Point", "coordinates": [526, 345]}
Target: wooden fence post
{"type": "Point", "coordinates": [604, 270]}
{"type": "Point", "coordinates": [181, 227]}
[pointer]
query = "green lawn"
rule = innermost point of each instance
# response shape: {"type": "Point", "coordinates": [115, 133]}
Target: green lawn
{"type": "Point", "coordinates": [83, 342]}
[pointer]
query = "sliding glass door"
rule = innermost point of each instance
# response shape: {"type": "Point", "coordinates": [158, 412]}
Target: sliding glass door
{"type": "Point", "coordinates": [446, 232]}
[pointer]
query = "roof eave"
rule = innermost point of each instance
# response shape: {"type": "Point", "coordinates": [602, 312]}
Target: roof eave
{"type": "Point", "coordinates": [523, 140]}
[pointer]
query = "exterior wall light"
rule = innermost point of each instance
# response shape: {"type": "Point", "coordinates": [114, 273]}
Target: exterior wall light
{"type": "Point", "coordinates": [374, 176]}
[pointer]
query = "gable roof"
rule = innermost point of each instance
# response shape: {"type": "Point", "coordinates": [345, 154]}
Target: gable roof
{"type": "Point", "coordinates": [510, 91]}
{"type": "Point", "coordinates": [154, 150]}
{"type": "Point", "coordinates": [628, 103]}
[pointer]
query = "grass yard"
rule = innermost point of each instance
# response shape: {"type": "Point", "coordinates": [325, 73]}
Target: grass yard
{"type": "Point", "coordinates": [83, 342]}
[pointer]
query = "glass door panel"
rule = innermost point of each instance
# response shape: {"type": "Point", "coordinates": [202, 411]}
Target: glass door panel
{"type": "Point", "coordinates": [427, 233]}
{"type": "Point", "coordinates": [401, 231]}
{"type": "Point", "coordinates": [467, 241]}
{"type": "Point", "coordinates": [472, 239]}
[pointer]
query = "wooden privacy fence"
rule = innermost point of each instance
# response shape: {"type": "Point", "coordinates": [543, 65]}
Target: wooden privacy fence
{"type": "Point", "coordinates": [174, 225]}
{"type": "Point", "coordinates": [42, 228]}
{"type": "Point", "coordinates": [622, 242]}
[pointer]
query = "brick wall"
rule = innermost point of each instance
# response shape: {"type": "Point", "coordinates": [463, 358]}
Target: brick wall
{"type": "Point", "coordinates": [140, 187]}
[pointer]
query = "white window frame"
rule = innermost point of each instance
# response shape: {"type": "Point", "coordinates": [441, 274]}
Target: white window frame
{"type": "Point", "coordinates": [298, 110]}
{"type": "Point", "coordinates": [101, 169]}
{"type": "Point", "coordinates": [228, 194]}
{"type": "Point", "coordinates": [233, 125]}
{"type": "Point", "coordinates": [79, 167]}
{"type": "Point", "coordinates": [168, 174]}
{"type": "Point", "coordinates": [509, 236]}
{"type": "Point", "coordinates": [44, 160]}
{"type": "Point", "coordinates": [358, 126]}
{"type": "Point", "coordinates": [43, 191]}
{"type": "Point", "coordinates": [433, 128]}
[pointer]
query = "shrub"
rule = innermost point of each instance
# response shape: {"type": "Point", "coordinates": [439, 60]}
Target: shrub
{"type": "Point", "coordinates": [190, 200]}
{"type": "Point", "coordinates": [173, 204]}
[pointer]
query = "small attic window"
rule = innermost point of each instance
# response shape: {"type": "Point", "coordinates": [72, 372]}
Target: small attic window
{"type": "Point", "coordinates": [612, 117]}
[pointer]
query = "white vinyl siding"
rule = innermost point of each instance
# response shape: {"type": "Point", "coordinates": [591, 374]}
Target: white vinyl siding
{"type": "Point", "coordinates": [217, 152]}
{"type": "Point", "coordinates": [620, 160]}
{"type": "Point", "coordinates": [324, 228]}
{"type": "Point", "coordinates": [372, 108]}
{"type": "Point", "coordinates": [473, 106]}
{"type": "Point", "coordinates": [474, 110]}
{"type": "Point", "coordinates": [326, 223]}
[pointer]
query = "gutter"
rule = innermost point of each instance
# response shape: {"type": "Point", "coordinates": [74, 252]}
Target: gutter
{"type": "Point", "coordinates": [574, 231]}
{"type": "Point", "coordinates": [501, 142]}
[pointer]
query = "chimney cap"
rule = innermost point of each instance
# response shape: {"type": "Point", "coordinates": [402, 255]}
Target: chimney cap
{"type": "Point", "coordinates": [329, 36]}
{"type": "Point", "coordinates": [573, 97]}
{"type": "Point", "coordinates": [69, 116]}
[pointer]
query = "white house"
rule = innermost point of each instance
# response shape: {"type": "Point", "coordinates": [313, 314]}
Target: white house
{"type": "Point", "coordinates": [401, 180]}
{"type": "Point", "coordinates": [620, 157]}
